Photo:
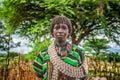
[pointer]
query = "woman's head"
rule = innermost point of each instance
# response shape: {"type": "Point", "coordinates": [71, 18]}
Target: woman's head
{"type": "Point", "coordinates": [60, 28]}
{"type": "Point", "coordinates": [60, 19]}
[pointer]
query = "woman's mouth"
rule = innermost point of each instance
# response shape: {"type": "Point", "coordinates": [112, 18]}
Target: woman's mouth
{"type": "Point", "coordinates": [60, 34]}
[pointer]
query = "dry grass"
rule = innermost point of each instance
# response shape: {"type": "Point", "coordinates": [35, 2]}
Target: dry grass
{"type": "Point", "coordinates": [104, 69]}
{"type": "Point", "coordinates": [20, 70]}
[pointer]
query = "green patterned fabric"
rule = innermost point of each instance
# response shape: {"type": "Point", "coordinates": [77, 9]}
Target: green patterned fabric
{"type": "Point", "coordinates": [75, 54]}
{"type": "Point", "coordinates": [70, 61]}
{"type": "Point", "coordinates": [74, 57]}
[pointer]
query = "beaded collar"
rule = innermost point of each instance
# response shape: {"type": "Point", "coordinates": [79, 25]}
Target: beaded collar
{"type": "Point", "coordinates": [63, 67]}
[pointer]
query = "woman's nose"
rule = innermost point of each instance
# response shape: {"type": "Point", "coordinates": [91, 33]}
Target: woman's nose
{"type": "Point", "coordinates": [60, 30]}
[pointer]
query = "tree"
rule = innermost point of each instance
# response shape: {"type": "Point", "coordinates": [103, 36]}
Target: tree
{"type": "Point", "coordinates": [31, 18]}
{"type": "Point", "coordinates": [6, 43]}
{"type": "Point", "coordinates": [97, 45]}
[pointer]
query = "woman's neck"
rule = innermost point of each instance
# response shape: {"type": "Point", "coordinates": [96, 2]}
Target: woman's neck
{"type": "Point", "coordinates": [61, 44]}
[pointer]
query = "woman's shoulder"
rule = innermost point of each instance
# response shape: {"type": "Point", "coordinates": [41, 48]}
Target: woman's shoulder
{"type": "Point", "coordinates": [77, 47]}
{"type": "Point", "coordinates": [44, 54]}
{"type": "Point", "coordinates": [44, 51]}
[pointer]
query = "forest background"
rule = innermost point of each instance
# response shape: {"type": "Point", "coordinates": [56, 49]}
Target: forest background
{"type": "Point", "coordinates": [96, 27]}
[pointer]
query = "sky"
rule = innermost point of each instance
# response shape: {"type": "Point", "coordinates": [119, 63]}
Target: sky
{"type": "Point", "coordinates": [23, 48]}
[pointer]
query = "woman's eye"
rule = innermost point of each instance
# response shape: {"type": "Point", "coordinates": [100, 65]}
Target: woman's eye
{"type": "Point", "coordinates": [64, 27]}
{"type": "Point", "coordinates": [56, 27]}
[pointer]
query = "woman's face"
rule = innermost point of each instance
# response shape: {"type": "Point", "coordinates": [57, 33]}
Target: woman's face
{"type": "Point", "coordinates": [60, 32]}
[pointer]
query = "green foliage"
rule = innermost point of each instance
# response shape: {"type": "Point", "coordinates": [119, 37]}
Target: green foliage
{"type": "Point", "coordinates": [108, 57]}
{"type": "Point", "coordinates": [113, 57]}
{"type": "Point", "coordinates": [40, 45]}
{"type": "Point", "coordinates": [29, 57]}
{"type": "Point", "coordinates": [3, 38]}
{"type": "Point", "coordinates": [96, 45]}
{"type": "Point", "coordinates": [9, 15]}
{"type": "Point", "coordinates": [31, 18]}
{"type": "Point", "coordinates": [3, 57]}
{"type": "Point", "coordinates": [13, 54]}
{"type": "Point", "coordinates": [6, 41]}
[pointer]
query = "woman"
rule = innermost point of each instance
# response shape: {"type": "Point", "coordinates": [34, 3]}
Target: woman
{"type": "Point", "coordinates": [61, 60]}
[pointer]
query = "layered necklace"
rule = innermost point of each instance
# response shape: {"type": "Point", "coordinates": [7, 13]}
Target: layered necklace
{"type": "Point", "coordinates": [60, 65]}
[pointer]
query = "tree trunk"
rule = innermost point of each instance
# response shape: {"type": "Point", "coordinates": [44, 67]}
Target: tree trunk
{"type": "Point", "coordinates": [7, 61]}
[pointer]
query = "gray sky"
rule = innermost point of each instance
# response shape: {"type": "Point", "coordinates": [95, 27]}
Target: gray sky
{"type": "Point", "coordinates": [23, 48]}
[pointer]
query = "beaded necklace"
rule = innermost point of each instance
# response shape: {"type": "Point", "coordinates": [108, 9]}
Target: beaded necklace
{"type": "Point", "coordinates": [60, 65]}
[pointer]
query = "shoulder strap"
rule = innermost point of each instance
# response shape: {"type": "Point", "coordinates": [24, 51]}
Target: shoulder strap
{"type": "Point", "coordinates": [49, 67]}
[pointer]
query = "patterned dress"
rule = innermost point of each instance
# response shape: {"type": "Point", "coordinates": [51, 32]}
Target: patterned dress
{"type": "Point", "coordinates": [70, 54]}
